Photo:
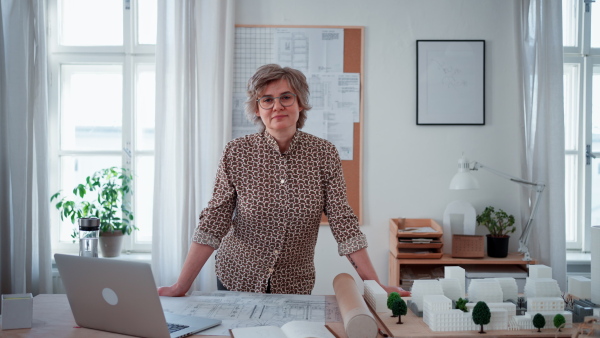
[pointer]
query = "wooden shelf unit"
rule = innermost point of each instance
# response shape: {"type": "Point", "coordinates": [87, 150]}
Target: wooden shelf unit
{"type": "Point", "coordinates": [395, 264]}
{"type": "Point", "coordinates": [436, 258]}
{"type": "Point", "coordinates": [400, 238]}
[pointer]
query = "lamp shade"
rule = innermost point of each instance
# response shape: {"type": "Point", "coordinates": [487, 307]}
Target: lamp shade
{"type": "Point", "coordinates": [463, 179]}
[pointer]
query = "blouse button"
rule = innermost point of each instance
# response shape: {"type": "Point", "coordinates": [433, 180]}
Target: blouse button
{"type": "Point", "coordinates": [276, 252]}
{"type": "Point", "coordinates": [282, 181]}
{"type": "Point", "coordinates": [271, 270]}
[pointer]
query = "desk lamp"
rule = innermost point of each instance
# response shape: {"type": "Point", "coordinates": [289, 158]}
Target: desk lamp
{"type": "Point", "coordinates": [464, 180]}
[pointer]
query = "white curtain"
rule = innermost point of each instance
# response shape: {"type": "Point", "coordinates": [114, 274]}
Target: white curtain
{"type": "Point", "coordinates": [542, 61]}
{"type": "Point", "coordinates": [25, 262]}
{"type": "Point", "coordinates": [194, 64]}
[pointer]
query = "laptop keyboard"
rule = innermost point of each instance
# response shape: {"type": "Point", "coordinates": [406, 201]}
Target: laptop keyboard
{"type": "Point", "coordinates": [176, 327]}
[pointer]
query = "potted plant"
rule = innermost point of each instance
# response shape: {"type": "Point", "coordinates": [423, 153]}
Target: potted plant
{"type": "Point", "coordinates": [109, 204]}
{"type": "Point", "coordinates": [500, 225]}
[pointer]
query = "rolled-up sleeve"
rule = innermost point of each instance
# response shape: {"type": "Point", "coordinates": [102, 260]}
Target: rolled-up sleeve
{"type": "Point", "coordinates": [341, 217]}
{"type": "Point", "coordinates": [215, 220]}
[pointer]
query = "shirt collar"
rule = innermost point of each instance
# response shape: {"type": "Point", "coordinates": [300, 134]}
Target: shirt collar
{"type": "Point", "coordinates": [273, 143]}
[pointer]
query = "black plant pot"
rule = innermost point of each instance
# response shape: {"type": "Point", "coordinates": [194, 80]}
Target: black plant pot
{"type": "Point", "coordinates": [497, 246]}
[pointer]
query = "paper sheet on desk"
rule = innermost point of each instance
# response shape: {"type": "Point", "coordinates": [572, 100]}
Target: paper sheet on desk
{"type": "Point", "coordinates": [246, 309]}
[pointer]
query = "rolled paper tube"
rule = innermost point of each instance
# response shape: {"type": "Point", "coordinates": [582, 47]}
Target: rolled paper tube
{"type": "Point", "coordinates": [358, 320]}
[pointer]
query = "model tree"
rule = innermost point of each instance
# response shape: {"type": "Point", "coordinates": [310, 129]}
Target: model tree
{"type": "Point", "coordinates": [461, 304]}
{"type": "Point", "coordinates": [399, 309]}
{"type": "Point", "coordinates": [390, 301]}
{"type": "Point", "coordinates": [539, 321]}
{"type": "Point", "coordinates": [559, 321]}
{"type": "Point", "coordinates": [481, 315]}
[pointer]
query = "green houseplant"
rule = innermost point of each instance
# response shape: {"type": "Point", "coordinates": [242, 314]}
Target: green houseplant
{"type": "Point", "coordinates": [500, 225]}
{"type": "Point", "coordinates": [102, 195]}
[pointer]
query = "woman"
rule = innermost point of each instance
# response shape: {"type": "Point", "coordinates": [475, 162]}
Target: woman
{"type": "Point", "coordinates": [270, 192]}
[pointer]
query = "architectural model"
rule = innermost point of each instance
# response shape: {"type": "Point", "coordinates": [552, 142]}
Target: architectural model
{"type": "Point", "coordinates": [375, 296]}
{"type": "Point", "coordinates": [485, 290]}
{"type": "Point", "coordinates": [434, 298]}
{"type": "Point", "coordinates": [458, 273]}
{"type": "Point", "coordinates": [580, 287]}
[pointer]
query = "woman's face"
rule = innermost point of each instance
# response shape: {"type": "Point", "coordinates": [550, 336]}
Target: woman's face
{"type": "Point", "coordinates": [279, 118]}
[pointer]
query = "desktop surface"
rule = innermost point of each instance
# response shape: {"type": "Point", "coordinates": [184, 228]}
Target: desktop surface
{"type": "Point", "coordinates": [52, 317]}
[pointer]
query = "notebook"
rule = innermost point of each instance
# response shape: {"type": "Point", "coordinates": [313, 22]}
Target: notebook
{"type": "Point", "coordinates": [120, 296]}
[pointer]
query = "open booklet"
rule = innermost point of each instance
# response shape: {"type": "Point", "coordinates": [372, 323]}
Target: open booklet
{"type": "Point", "coordinates": [293, 329]}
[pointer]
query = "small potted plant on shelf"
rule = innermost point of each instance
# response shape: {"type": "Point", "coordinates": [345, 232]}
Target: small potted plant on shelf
{"type": "Point", "coordinates": [500, 225]}
{"type": "Point", "coordinates": [112, 186]}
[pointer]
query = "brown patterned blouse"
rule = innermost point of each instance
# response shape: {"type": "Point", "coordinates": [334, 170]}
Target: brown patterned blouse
{"type": "Point", "coordinates": [266, 208]}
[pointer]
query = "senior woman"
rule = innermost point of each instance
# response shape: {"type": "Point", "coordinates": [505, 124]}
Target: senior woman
{"type": "Point", "coordinates": [270, 191]}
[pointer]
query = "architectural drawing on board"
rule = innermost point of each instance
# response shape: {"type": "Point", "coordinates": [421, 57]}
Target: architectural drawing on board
{"type": "Point", "coordinates": [240, 124]}
{"type": "Point", "coordinates": [293, 50]}
{"type": "Point", "coordinates": [310, 50]}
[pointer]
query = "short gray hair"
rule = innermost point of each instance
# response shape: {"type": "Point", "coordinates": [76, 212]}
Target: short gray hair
{"type": "Point", "coordinates": [267, 74]}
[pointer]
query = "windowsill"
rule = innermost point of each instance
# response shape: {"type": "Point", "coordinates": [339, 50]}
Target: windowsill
{"type": "Point", "coordinates": [574, 257]}
{"type": "Point", "coordinates": [145, 257]}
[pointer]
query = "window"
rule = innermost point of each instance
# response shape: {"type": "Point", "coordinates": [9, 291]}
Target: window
{"type": "Point", "coordinates": [581, 77]}
{"type": "Point", "coordinates": [101, 55]}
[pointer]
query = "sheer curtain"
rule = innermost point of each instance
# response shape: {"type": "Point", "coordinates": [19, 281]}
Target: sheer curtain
{"type": "Point", "coordinates": [541, 55]}
{"type": "Point", "coordinates": [194, 64]}
{"type": "Point", "coordinates": [25, 262]}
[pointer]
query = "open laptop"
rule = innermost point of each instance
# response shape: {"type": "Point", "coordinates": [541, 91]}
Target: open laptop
{"type": "Point", "coordinates": [121, 296]}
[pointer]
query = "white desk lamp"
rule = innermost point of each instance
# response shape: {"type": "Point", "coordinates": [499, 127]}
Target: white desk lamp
{"type": "Point", "coordinates": [464, 180]}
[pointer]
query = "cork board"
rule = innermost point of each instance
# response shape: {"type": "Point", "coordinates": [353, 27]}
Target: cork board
{"type": "Point", "coordinates": [353, 63]}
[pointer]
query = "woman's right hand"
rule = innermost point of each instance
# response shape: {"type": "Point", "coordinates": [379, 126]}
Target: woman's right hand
{"type": "Point", "coordinates": [171, 291]}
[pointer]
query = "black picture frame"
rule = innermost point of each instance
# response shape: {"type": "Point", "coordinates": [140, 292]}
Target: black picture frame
{"type": "Point", "coordinates": [450, 82]}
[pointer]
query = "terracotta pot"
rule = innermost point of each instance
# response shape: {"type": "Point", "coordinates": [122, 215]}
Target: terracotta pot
{"type": "Point", "coordinates": [497, 246]}
{"type": "Point", "coordinates": [111, 243]}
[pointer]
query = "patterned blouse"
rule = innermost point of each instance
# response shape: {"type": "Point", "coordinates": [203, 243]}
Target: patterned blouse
{"type": "Point", "coordinates": [266, 208]}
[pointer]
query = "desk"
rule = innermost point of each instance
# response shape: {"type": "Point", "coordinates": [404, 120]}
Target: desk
{"type": "Point", "coordinates": [52, 317]}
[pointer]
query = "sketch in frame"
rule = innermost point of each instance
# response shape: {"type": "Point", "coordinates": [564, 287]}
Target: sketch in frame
{"type": "Point", "coordinates": [450, 82]}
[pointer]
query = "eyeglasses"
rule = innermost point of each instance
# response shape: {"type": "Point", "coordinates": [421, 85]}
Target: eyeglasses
{"type": "Point", "coordinates": [286, 100]}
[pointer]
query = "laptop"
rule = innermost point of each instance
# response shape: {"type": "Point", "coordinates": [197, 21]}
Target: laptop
{"type": "Point", "coordinates": [121, 296]}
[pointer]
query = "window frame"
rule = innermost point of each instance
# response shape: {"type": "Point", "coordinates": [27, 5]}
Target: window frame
{"type": "Point", "coordinates": [587, 57]}
{"type": "Point", "coordinates": [128, 56]}
{"type": "Point", "coordinates": [579, 154]}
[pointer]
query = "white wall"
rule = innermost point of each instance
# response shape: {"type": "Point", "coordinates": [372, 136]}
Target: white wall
{"type": "Point", "coordinates": [407, 168]}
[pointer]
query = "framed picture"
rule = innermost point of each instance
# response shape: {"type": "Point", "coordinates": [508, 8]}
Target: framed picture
{"type": "Point", "coordinates": [450, 82]}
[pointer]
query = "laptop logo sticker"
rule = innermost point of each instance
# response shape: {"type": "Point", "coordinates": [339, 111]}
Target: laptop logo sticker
{"type": "Point", "coordinates": [110, 296]}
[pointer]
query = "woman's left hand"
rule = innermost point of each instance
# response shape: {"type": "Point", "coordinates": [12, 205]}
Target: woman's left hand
{"type": "Point", "coordinates": [399, 290]}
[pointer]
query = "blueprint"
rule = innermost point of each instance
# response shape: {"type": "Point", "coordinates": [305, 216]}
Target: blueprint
{"type": "Point", "coordinates": [246, 309]}
{"type": "Point", "coordinates": [310, 50]}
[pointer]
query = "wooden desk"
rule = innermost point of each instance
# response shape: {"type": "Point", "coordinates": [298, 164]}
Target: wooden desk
{"type": "Point", "coordinates": [395, 264]}
{"type": "Point", "coordinates": [52, 317]}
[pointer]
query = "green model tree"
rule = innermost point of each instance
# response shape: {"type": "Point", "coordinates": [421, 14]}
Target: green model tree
{"type": "Point", "coordinates": [399, 309]}
{"type": "Point", "coordinates": [461, 304]}
{"type": "Point", "coordinates": [481, 315]}
{"type": "Point", "coordinates": [390, 301]}
{"type": "Point", "coordinates": [539, 321]}
{"type": "Point", "coordinates": [559, 321]}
